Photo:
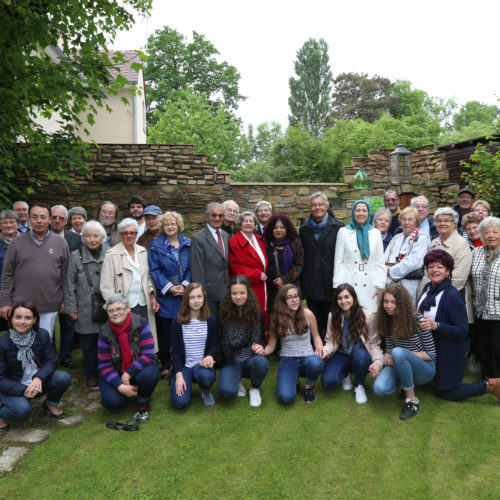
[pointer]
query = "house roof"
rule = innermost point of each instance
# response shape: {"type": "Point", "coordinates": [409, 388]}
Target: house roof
{"type": "Point", "coordinates": [126, 70]}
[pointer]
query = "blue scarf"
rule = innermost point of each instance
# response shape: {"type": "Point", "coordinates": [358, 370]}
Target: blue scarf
{"type": "Point", "coordinates": [317, 228]}
{"type": "Point", "coordinates": [362, 232]}
{"type": "Point", "coordinates": [432, 293]}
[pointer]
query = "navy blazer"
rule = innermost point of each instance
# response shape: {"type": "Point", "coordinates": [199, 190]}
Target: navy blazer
{"type": "Point", "coordinates": [11, 369]}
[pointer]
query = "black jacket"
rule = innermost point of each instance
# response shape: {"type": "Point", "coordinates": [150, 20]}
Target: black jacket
{"type": "Point", "coordinates": [74, 241]}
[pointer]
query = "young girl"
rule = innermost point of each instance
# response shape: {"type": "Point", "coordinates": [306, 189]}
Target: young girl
{"type": "Point", "coordinates": [352, 344]}
{"type": "Point", "coordinates": [295, 326]}
{"type": "Point", "coordinates": [242, 340]}
{"type": "Point", "coordinates": [410, 354]}
{"type": "Point", "coordinates": [194, 334]}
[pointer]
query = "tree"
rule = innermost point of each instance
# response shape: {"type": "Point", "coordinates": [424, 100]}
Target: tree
{"type": "Point", "coordinates": [35, 84]}
{"type": "Point", "coordinates": [474, 111]}
{"type": "Point", "coordinates": [174, 65]}
{"type": "Point", "coordinates": [309, 99]}
{"type": "Point", "coordinates": [190, 118]}
{"type": "Point", "coordinates": [262, 142]}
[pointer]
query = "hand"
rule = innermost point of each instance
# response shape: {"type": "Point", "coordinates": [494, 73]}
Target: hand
{"type": "Point", "coordinates": [263, 277]}
{"type": "Point", "coordinates": [278, 283]}
{"type": "Point", "coordinates": [180, 384]}
{"type": "Point", "coordinates": [126, 378]}
{"type": "Point", "coordinates": [128, 391]}
{"type": "Point", "coordinates": [320, 351]}
{"type": "Point", "coordinates": [378, 293]}
{"type": "Point", "coordinates": [374, 370]}
{"type": "Point", "coordinates": [388, 360]}
{"type": "Point", "coordinates": [155, 306]}
{"type": "Point", "coordinates": [5, 312]}
{"type": "Point", "coordinates": [73, 316]}
{"type": "Point", "coordinates": [207, 362]}
{"type": "Point", "coordinates": [257, 349]}
{"type": "Point", "coordinates": [387, 267]}
{"type": "Point", "coordinates": [61, 308]}
{"type": "Point", "coordinates": [427, 324]}
{"type": "Point", "coordinates": [34, 388]}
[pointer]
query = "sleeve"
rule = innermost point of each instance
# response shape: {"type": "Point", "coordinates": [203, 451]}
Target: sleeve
{"type": "Point", "coordinates": [64, 267]}
{"type": "Point", "coordinates": [105, 365]}
{"type": "Point", "coordinates": [157, 272]}
{"type": "Point", "coordinates": [454, 325]}
{"type": "Point", "coordinates": [338, 270]}
{"type": "Point", "coordinates": [389, 344]}
{"type": "Point", "coordinates": [238, 262]}
{"type": "Point", "coordinates": [293, 274]}
{"type": "Point", "coordinates": [107, 286]}
{"type": "Point", "coordinates": [8, 273]}
{"type": "Point", "coordinates": [463, 262]}
{"type": "Point", "coordinates": [373, 341]}
{"type": "Point", "coordinates": [197, 260]}
{"type": "Point", "coordinates": [330, 346]}
{"type": "Point", "coordinates": [427, 341]}
{"type": "Point", "coordinates": [47, 357]}
{"type": "Point", "coordinates": [377, 254]}
{"type": "Point", "coordinates": [413, 261]}
{"type": "Point", "coordinates": [147, 346]}
{"type": "Point", "coordinates": [187, 273]}
{"type": "Point", "coordinates": [176, 339]}
{"type": "Point", "coordinates": [70, 305]}
{"type": "Point", "coordinates": [389, 248]}
{"type": "Point", "coordinates": [8, 386]}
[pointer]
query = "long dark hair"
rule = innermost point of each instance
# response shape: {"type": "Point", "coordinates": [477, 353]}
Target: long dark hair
{"type": "Point", "coordinates": [283, 319]}
{"type": "Point", "coordinates": [291, 232]}
{"type": "Point", "coordinates": [27, 305]}
{"type": "Point", "coordinates": [249, 314]}
{"type": "Point", "coordinates": [358, 327]}
{"type": "Point", "coordinates": [402, 323]}
{"type": "Point", "coordinates": [184, 316]}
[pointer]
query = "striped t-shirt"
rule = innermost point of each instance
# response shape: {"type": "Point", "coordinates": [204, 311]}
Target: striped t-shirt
{"type": "Point", "coordinates": [195, 339]}
{"type": "Point", "coordinates": [420, 341]}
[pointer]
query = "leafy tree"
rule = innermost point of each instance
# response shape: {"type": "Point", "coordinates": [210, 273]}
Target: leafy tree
{"type": "Point", "coordinates": [309, 99]}
{"type": "Point", "coordinates": [174, 64]}
{"type": "Point", "coordinates": [474, 111]}
{"type": "Point", "coordinates": [262, 142]}
{"type": "Point", "coordinates": [211, 128]}
{"type": "Point", "coordinates": [34, 84]}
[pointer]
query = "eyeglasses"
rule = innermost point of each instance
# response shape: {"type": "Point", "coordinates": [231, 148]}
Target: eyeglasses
{"type": "Point", "coordinates": [90, 236]}
{"type": "Point", "coordinates": [444, 221]}
{"type": "Point", "coordinates": [317, 205]}
{"type": "Point", "coordinates": [107, 212]}
{"type": "Point", "coordinates": [463, 198]}
{"type": "Point", "coordinates": [58, 217]}
{"type": "Point", "coordinates": [408, 220]}
{"type": "Point", "coordinates": [390, 199]}
{"type": "Point", "coordinates": [292, 297]}
{"type": "Point", "coordinates": [231, 211]}
{"type": "Point", "coordinates": [170, 224]}
{"type": "Point", "coordinates": [217, 216]}
{"type": "Point", "coordinates": [116, 310]}
{"type": "Point", "coordinates": [263, 211]}
{"type": "Point", "coordinates": [129, 233]}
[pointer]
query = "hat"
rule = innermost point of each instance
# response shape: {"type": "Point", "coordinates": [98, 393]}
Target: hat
{"type": "Point", "coordinates": [77, 211]}
{"type": "Point", "coordinates": [467, 190]}
{"type": "Point", "coordinates": [152, 210]}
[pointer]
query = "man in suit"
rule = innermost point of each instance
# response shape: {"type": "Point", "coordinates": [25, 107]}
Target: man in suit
{"type": "Point", "coordinates": [210, 256]}
{"type": "Point", "coordinates": [263, 211]}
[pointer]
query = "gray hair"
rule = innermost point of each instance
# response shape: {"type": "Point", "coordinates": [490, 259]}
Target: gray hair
{"type": "Point", "coordinates": [487, 222]}
{"type": "Point", "coordinates": [391, 190]}
{"type": "Point", "coordinates": [8, 214]}
{"type": "Point", "coordinates": [240, 218]}
{"type": "Point", "coordinates": [420, 197]}
{"type": "Point", "coordinates": [77, 211]}
{"type": "Point", "coordinates": [381, 211]}
{"type": "Point", "coordinates": [17, 202]}
{"type": "Point", "coordinates": [213, 204]}
{"type": "Point", "coordinates": [447, 211]}
{"type": "Point", "coordinates": [115, 297]}
{"type": "Point", "coordinates": [263, 202]}
{"type": "Point", "coordinates": [127, 222]}
{"type": "Point", "coordinates": [60, 207]}
{"type": "Point", "coordinates": [318, 194]}
{"type": "Point", "coordinates": [93, 224]}
{"type": "Point", "coordinates": [226, 203]}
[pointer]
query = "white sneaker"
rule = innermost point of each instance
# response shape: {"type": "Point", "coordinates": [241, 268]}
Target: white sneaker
{"type": "Point", "coordinates": [360, 395]}
{"type": "Point", "coordinates": [346, 383]}
{"type": "Point", "coordinates": [242, 392]}
{"type": "Point", "coordinates": [255, 399]}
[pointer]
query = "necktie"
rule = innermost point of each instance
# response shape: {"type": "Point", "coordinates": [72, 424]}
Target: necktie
{"type": "Point", "coordinates": [219, 241]}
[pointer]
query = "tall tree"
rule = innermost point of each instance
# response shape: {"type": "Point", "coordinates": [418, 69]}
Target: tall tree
{"type": "Point", "coordinates": [474, 111]}
{"type": "Point", "coordinates": [309, 99]}
{"type": "Point", "coordinates": [175, 64]}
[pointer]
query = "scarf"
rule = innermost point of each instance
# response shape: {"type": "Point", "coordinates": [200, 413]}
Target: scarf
{"type": "Point", "coordinates": [397, 255]}
{"type": "Point", "coordinates": [121, 333]}
{"type": "Point", "coordinates": [317, 227]}
{"type": "Point", "coordinates": [362, 232]}
{"type": "Point", "coordinates": [23, 342]}
{"type": "Point", "coordinates": [432, 292]}
{"type": "Point", "coordinates": [287, 254]}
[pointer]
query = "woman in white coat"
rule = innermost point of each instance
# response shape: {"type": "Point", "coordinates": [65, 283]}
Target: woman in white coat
{"type": "Point", "coordinates": [359, 257]}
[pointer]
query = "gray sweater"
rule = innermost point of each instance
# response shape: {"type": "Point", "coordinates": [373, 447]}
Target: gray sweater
{"type": "Point", "coordinates": [35, 273]}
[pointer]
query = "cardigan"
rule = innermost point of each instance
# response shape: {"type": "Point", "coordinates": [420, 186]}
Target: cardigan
{"type": "Point", "coordinates": [488, 306]}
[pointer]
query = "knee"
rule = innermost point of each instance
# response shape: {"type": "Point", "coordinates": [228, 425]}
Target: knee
{"type": "Point", "coordinates": [206, 378]}
{"type": "Point", "coordinates": [261, 363]}
{"type": "Point", "coordinates": [379, 389]}
{"type": "Point", "coordinates": [61, 379]}
{"type": "Point", "coordinates": [398, 354]}
{"type": "Point", "coordinates": [21, 409]}
{"type": "Point", "coordinates": [179, 402]}
{"type": "Point", "coordinates": [286, 398]}
{"type": "Point", "coordinates": [361, 357]}
{"type": "Point", "coordinates": [227, 393]}
{"type": "Point", "coordinates": [314, 363]}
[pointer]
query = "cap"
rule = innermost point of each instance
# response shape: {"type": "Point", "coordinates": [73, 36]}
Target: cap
{"type": "Point", "coordinates": [152, 210]}
{"type": "Point", "coordinates": [467, 190]}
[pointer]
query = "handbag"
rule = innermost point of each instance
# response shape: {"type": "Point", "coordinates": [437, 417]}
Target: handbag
{"type": "Point", "coordinates": [97, 314]}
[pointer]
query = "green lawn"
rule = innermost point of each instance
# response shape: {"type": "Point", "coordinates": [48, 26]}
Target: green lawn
{"type": "Point", "coordinates": [333, 448]}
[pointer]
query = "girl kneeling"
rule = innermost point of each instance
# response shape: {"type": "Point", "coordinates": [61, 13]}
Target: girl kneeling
{"type": "Point", "coordinates": [295, 326]}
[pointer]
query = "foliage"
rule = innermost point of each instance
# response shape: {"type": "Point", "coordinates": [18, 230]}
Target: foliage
{"type": "Point", "coordinates": [471, 131]}
{"type": "Point", "coordinates": [174, 65]}
{"type": "Point", "coordinates": [309, 99]}
{"type": "Point", "coordinates": [261, 143]}
{"type": "Point", "coordinates": [63, 88]}
{"type": "Point", "coordinates": [475, 112]}
{"type": "Point", "coordinates": [190, 118]}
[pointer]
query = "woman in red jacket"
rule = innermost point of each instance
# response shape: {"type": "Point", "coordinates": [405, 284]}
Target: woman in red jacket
{"type": "Point", "coordinates": [247, 256]}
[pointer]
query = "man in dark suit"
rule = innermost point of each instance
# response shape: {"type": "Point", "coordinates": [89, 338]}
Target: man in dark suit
{"type": "Point", "coordinates": [210, 256]}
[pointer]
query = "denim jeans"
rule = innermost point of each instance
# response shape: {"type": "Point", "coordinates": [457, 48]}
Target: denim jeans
{"type": "Point", "coordinates": [290, 369]}
{"type": "Point", "coordinates": [255, 368]}
{"type": "Point", "coordinates": [66, 331]}
{"type": "Point", "coordinates": [18, 407]}
{"type": "Point", "coordinates": [464, 391]}
{"type": "Point", "coordinates": [340, 365]}
{"type": "Point", "coordinates": [407, 371]}
{"type": "Point", "coordinates": [88, 343]}
{"type": "Point", "coordinates": [205, 377]}
{"type": "Point", "coordinates": [145, 380]}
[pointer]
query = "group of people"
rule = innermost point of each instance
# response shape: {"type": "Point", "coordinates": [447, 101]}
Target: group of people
{"type": "Point", "coordinates": [399, 296]}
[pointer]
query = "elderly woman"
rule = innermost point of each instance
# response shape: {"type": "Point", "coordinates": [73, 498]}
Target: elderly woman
{"type": "Point", "coordinates": [83, 278]}
{"type": "Point", "coordinates": [169, 261]}
{"type": "Point", "coordinates": [381, 221]}
{"type": "Point", "coordinates": [486, 286]}
{"type": "Point", "coordinates": [359, 257]}
{"type": "Point", "coordinates": [125, 270]}
{"type": "Point", "coordinates": [405, 253]}
{"type": "Point", "coordinates": [285, 255]}
{"type": "Point", "coordinates": [481, 207]}
{"type": "Point", "coordinates": [247, 257]}
{"type": "Point", "coordinates": [28, 365]}
{"type": "Point", "coordinates": [8, 227]}
{"type": "Point", "coordinates": [125, 351]}
{"type": "Point", "coordinates": [443, 310]}
{"type": "Point", "coordinates": [77, 216]}
{"type": "Point", "coordinates": [470, 222]}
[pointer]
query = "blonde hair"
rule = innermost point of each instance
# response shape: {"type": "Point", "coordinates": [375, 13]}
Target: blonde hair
{"type": "Point", "coordinates": [410, 210]}
{"type": "Point", "coordinates": [172, 215]}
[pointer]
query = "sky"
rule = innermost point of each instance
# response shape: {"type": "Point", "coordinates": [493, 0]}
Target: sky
{"type": "Point", "coordinates": [446, 48]}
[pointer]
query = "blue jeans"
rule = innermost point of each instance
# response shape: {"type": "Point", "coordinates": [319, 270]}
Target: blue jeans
{"type": "Point", "coordinates": [340, 365]}
{"type": "Point", "coordinates": [407, 371]}
{"type": "Point", "coordinates": [205, 377]}
{"type": "Point", "coordinates": [66, 331]}
{"type": "Point", "coordinates": [145, 380]}
{"type": "Point", "coordinates": [290, 369]}
{"type": "Point", "coordinates": [255, 368]}
{"type": "Point", "coordinates": [88, 342]}
{"type": "Point", "coordinates": [18, 407]}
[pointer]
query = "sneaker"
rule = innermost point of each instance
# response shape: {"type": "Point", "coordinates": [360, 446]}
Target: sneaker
{"type": "Point", "coordinates": [360, 395]}
{"type": "Point", "coordinates": [410, 409]}
{"type": "Point", "coordinates": [255, 399]}
{"type": "Point", "coordinates": [346, 383]}
{"type": "Point", "coordinates": [143, 414]}
{"type": "Point", "coordinates": [207, 397]}
{"type": "Point", "coordinates": [309, 394]}
{"type": "Point", "coordinates": [242, 392]}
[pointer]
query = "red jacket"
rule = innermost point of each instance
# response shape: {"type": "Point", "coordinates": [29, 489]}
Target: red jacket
{"type": "Point", "coordinates": [244, 259]}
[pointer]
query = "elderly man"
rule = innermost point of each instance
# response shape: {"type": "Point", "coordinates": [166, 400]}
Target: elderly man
{"type": "Point", "coordinates": [263, 211]}
{"type": "Point", "coordinates": [319, 237]}
{"type": "Point", "coordinates": [231, 211]}
{"type": "Point", "coordinates": [427, 224]}
{"type": "Point", "coordinates": [391, 201]}
{"type": "Point", "coordinates": [8, 231]}
{"type": "Point", "coordinates": [22, 210]}
{"type": "Point", "coordinates": [466, 198]}
{"type": "Point", "coordinates": [210, 256]}
{"type": "Point", "coordinates": [136, 206]}
{"type": "Point", "coordinates": [107, 215]}
{"type": "Point", "coordinates": [152, 218]}
{"type": "Point", "coordinates": [35, 269]}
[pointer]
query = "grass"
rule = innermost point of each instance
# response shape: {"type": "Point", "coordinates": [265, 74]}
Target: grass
{"type": "Point", "coordinates": [332, 448]}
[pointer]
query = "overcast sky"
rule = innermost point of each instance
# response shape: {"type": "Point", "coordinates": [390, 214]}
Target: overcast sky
{"type": "Point", "coordinates": [447, 48]}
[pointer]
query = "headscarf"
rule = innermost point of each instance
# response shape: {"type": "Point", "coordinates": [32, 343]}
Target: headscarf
{"type": "Point", "coordinates": [362, 231]}
{"type": "Point", "coordinates": [23, 342]}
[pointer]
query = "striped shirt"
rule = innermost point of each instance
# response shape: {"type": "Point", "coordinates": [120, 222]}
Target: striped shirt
{"type": "Point", "coordinates": [420, 341]}
{"type": "Point", "coordinates": [195, 339]}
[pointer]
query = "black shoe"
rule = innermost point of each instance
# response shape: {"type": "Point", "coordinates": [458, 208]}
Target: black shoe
{"type": "Point", "coordinates": [5, 428]}
{"type": "Point", "coordinates": [68, 364]}
{"type": "Point", "coordinates": [53, 415]}
{"type": "Point", "coordinates": [92, 382]}
{"type": "Point", "coordinates": [309, 394]}
{"type": "Point", "coordinates": [410, 410]}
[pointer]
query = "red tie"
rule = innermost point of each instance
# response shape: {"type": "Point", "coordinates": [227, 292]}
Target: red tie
{"type": "Point", "coordinates": [219, 241]}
